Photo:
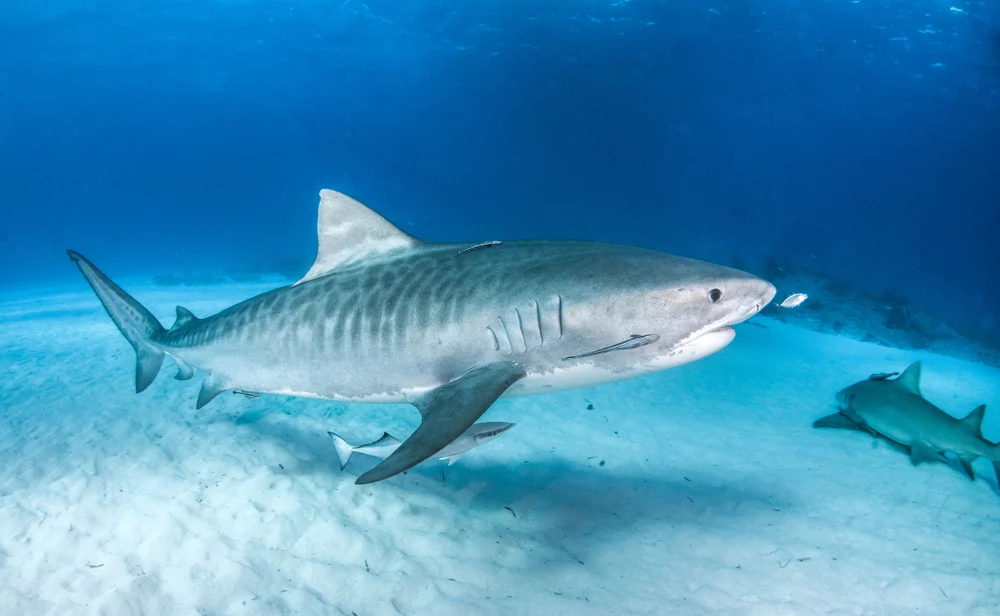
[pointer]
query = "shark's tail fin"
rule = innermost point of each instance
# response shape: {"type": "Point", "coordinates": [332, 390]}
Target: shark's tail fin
{"type": "Point", "coordinates": [344, 449]}
{"type": "Point", "coordinates": [136, 323]}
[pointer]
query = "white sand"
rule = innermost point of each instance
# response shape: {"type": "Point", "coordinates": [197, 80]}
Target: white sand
{"type": "Point", "coordinates": [716, 496]}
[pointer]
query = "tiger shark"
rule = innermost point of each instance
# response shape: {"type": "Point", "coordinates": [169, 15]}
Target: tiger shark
{"type": "Point", "coordinates": [382, 316]}
{"type": "Point", "coordinates": [896, 410]}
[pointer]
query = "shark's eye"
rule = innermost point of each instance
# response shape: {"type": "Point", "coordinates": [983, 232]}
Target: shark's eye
{"type": "Point", "coordinates": [715, 295]}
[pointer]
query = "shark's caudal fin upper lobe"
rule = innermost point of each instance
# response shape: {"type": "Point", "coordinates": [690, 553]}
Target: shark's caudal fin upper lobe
{"type": "Point", "coordinates": [136, 323]}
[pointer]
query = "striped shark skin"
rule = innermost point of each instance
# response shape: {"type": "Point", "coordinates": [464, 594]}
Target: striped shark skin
{"type": "Point", "coordinates": [382, 316]}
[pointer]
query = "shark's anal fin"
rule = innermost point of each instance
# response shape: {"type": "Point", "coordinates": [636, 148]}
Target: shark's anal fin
{"type": "Point", "coordinates": [446, 413]}
{"type": "Point", "coordinates": [837, 420]}
{"type": "Point", "coordinates": [921, 452]}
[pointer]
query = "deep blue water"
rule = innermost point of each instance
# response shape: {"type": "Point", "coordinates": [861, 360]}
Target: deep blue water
{"type": "Point", "coordinates": [858, 139]}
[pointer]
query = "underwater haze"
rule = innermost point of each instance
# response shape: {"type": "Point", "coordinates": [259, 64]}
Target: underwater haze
{"type": "Point", "coordinates": [846, 149]}
{"type": "Point", "coordinates": [855, 139]}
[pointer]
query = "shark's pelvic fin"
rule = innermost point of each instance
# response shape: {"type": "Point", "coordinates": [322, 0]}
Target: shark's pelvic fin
{"type": "Point", "coordinates": [921, 452]}
{"type": "Point", "coordinates": [137, 324]}
{"type": "Point", "coordinates": [452, 459]}
{"type": "Point", "coordinates": [910, 379]}
{"type": "Point", "coordinates": [967, 467]}
{"type": "Point", "coordinates": [350, 232]}
{"type": "Point", "coordinates": [837, 420]}
{"type": "Point", "coordinates": [184, 370]}
{"type": "Point", "coordinates": [210, 388]}
{"type": "Point", "coordinates": [184, 316]}
{"type": "Point", "coordinates": [446, 413]}
{"type": "Point", "coordinates": [973, 422]}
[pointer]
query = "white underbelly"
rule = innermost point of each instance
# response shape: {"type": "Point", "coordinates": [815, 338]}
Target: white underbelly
{"type": "Point", "coordinates": [574, 376]}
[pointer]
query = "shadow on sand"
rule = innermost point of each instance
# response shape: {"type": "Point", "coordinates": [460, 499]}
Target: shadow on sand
{"type": "Point", "coordinates": [549, 495]}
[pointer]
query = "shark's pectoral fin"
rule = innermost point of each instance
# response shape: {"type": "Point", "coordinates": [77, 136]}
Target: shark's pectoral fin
{"type": "Point", "coordinates": [447, 412]}
{"type": "Point", "coordinates": [838, 420]}
{"type": "Point", "coordinates": [921, 452]}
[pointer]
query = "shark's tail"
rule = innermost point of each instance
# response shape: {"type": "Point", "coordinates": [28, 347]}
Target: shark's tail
{"type": "Point", "coordinates": [344, 449]}
{"type": "Point", "coordinates": [136, 323]}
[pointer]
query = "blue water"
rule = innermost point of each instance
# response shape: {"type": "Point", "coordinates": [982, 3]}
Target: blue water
{"type": "Point", "coordinates": [857, 139]}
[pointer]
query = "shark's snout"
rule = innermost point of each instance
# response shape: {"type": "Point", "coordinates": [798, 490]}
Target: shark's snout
{"type": "Point", "coordinates": [754, 295]}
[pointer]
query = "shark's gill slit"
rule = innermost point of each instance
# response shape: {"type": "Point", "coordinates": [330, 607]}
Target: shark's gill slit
{"type": "Point", "coordinates": [493, 334]}
{"type": "Point", "coordinates": [538, 319]}
{"type": "Point", "coordinates": [520, 329]}
{"type": "Point", "coordinates": [506, 333]}
{"type": "Point", "coordinates": [559, 314]}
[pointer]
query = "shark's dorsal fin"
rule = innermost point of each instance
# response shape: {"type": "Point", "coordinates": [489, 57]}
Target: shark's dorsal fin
{"type": "Point", "coordinates": [350, 232]}
{"type": "Point", "coordinates": [910, 379]}
{"type": "Point", "coordinates": [184, 316]}
{"type": "Point", "coordinates": [973, 422]}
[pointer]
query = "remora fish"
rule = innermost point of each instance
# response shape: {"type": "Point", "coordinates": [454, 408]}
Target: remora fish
{"type": "Point", "coordinates": [896, 410]}
{"type": "Point", "coordinates": [477, 434]}
{"type": "Point", "coordinates": [384, 317]}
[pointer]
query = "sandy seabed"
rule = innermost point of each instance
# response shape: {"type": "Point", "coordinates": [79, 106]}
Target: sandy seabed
{"type": "Point", "coordinates": [699, 490]}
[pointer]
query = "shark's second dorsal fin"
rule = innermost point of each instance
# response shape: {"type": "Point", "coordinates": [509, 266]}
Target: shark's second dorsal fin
{"type": "Point", "coordinates": [973, 422]}
{"type": "Point", "coordinates": [184, 316]}
{"type": "Point", "coordinates": [910, 379]}
{"type": "Point", "coordinates": [350, 232]}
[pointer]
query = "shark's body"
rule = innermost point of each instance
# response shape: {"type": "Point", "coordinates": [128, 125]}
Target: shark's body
{"type": "Point", "coordinates": [896, 410]}
{"type": "Point", "coordinates": [384, 317]}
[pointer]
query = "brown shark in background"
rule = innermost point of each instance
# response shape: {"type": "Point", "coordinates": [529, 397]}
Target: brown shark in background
{"type": "Point", "coordinates": [896, 410]}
